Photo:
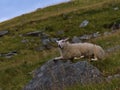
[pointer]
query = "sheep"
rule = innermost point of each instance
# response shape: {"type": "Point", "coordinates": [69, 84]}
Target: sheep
{"type": "Point", "coordinates": [76, 50]}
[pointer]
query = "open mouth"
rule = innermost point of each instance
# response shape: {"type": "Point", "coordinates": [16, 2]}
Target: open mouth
{"type": "Point", "coordinates": [59, 46]}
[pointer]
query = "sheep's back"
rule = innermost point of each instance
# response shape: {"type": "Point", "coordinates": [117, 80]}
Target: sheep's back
{"type": "Point", "coordinates": [73, 50]}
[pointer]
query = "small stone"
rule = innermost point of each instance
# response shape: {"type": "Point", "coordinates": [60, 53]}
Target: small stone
{"type": "Point", "coordinates": [84, 23]}
{"type": "Point", "coordinates": [53, 39]}
{"type": "Point", "coordinates": [20, 35]}
{"type": "Point", "coordinates": [44, 36]}
{"type": "Point", "coordinates": [109, 77]}
{"type": "Point", "coordinates": [25, 41]}
{"type": "Point", "coordinates": [65, 16]}
{"type": "Point", "coordinates": [106, 33]}
{"type": "Point", "coordinates": [116, 8]}
{"type": "Point", "coordinates": [76, 39]}
{"type": "Point", "coordinates": [10, 54]}
{"type": "Point", "coordinates": [115, 26]}
{"type": "Point", "coordinates": [110, 50]}
{"type": "Point", "coordinates": [41, 48]}
{"type": "Point", "coordinates": [95, 35]}
{"type": "Point", "coordinates": [60, 32]}
{"type": "Point", "coordinates": [117, 75]}
{"type": "Point", "coordinates": [85, 37]}
{"type": "Point", "coordinates": [113, 49]}
{"type": "Point", "coordinates": [45, 41]}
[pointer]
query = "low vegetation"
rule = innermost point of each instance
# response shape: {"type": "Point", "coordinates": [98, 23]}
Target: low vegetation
{"type": "Point", "coordinates": [15, 71]}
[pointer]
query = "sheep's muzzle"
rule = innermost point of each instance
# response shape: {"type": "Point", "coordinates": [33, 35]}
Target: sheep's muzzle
{"type": "Point", "coordinates": [59, 46]}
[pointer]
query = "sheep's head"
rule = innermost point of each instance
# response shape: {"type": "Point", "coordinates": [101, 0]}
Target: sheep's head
{"type": "Point", "coordinates": [62, 43]}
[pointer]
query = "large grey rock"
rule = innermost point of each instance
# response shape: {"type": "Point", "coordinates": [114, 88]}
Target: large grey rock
{"type": "Point", "coordinates": [2, 33]}
{"type": "Point", "coordinates": [55, 75]}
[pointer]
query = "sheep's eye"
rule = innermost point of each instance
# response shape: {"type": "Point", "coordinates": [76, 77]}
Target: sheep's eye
{"type": "Point", "coordinates": [63, 41]}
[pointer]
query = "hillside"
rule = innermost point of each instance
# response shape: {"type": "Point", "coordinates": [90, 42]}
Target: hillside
{"type": "Point", "coordinates": [26, 40]}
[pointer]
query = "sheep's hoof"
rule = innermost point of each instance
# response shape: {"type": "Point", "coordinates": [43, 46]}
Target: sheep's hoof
{"type": "Point", "coordinates": [82, 56]}
{"type": "Point", "coordinates": [94, 59]}
{"type": "Point", "coordinates": [77, 58]}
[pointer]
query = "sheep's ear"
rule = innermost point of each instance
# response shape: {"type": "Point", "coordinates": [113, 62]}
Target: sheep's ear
{"type": "Point", "coordinates": [66, 39]}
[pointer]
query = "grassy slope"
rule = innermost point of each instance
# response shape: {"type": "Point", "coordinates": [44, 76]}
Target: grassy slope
{"type": "Point", "coordinates": [14, 72]}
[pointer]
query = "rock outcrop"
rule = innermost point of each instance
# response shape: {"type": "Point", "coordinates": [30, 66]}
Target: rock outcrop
{"type": "Point", "coordinates": [4, 32]}
{"type": "Point", "coordinates": [56, 75]}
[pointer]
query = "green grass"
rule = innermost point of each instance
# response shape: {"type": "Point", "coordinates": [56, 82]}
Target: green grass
{"type": "Point", "coordinates": [46, 13]}
{"type": "Point", "coordinates": [14, 72]}
{"type": "Point", "coordinates": [113, 85]}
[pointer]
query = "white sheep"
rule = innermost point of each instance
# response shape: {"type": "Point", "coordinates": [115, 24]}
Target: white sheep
{"type": "Point", "coordinates": [76, 50]}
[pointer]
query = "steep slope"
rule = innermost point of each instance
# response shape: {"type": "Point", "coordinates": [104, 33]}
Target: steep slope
{"type": "Point", "coordinates": [20, 52]}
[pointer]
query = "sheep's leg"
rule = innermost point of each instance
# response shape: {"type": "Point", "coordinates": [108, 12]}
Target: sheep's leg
{"type": "Point", "coordinates": [79, 57]}
{"type": "Point", "coordinates": [82, 56]}
{"type": "Point", "coordinates": [94, 59]}
{"type": "Point", "coordinates": [76, 57]}
{"type": "Point", "coordinates": [58, 58]}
